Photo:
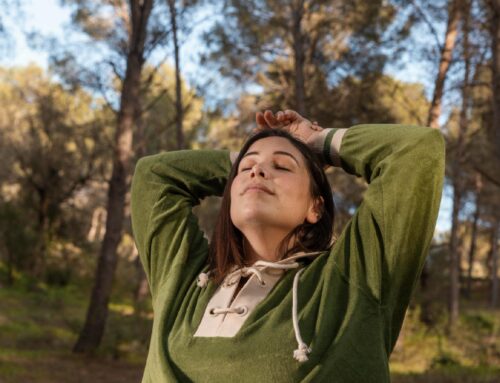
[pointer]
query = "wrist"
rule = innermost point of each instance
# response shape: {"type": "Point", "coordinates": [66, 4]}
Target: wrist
{"type": "Point", "coordinates": [317, 142]}
{"type": "Point", "coordinates": [327, 144]}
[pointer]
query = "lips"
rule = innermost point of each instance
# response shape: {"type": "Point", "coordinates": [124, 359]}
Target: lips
{"type": "Point", "coordinates": [258, 186]}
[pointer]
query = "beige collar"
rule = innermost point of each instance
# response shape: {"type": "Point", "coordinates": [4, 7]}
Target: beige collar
{"type": "Point", "coordinates": [224, 316]}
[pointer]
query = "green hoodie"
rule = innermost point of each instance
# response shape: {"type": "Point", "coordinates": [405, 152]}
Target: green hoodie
{"type": "Point", "coordinates": [350, 299]}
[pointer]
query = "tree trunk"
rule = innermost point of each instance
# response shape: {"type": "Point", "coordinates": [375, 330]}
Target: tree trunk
{"type": "Point", "coordinates": [455, 258]}
{"type": "Point", "coordinates": [97, 313]}
{"type": "Point", "coordinates": [9, 280]}
{"type": "Point", "coordinates": [494, 265]}
{"type": "Point", "coordinates": [299, 56]}
{"type": "Point", "coordinates": [454, 14]}
{"type": "Point", "coordinates": [495, 84]}
{"type": "Point", "coordinates": [179, 115]}
{"type": "Point", "coordinates": [141, 287]}
{"type": "Point", "coordinates": [425, 309]}
{"type": "Point", "coordinates": [40, 260]}
{"type": "Point", "coordinates": [454, 293]}
{"type": "Point", "coordinates": [10, 268]}
{"type": "Point", "coordinates": [472, 250]}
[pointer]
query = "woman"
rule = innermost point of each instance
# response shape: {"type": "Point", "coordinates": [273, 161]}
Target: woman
{"type": "Point", "coordinates": [277, 301]}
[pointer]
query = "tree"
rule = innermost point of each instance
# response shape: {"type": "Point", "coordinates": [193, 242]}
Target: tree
{"type": "Point", "coordinates": [472, 250]}
{"type": "Point", "coordinates": [46, 130]}
{"type": "Point", "coordinates": [158, 128]}
{"type": "Point", "coordinates": [179, 112]}
{"type": "Point", "coordinates": [159, 117]}
{"type": "Point", "coordinates": [299, 48]}
{"type": "Point", "coordinates": [457, 179]}
{"type": "Point", "coordinates": [455, 12]}
{"type": "Point", "coordinates": [136, 30]}
{"type": "Point", "coordinates": [494, 6]}
{"type": "Point", "coordinates": [494, 262]}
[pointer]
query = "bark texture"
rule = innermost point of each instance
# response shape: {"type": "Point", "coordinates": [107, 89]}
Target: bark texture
{"type": "Point", "coordinates": [299, 56]}
{"type": "Point", "coordinates": [454, 15]}
{"type": "Point", "coordinates": [179, 109]}
{"type": "Point", "coordinates": [93, 330]}
{"type": "Point", "coordinates": [458, 182]}
{"type": "Point", "coordinates": [473, 241]}
{"type": "Point", "coordinates": [494, 264]}
{"type": "Point", "coordinates": [495, 49]}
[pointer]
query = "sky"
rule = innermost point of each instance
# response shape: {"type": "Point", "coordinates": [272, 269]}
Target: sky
{"type": "Point", "coordinates": [47, 17]}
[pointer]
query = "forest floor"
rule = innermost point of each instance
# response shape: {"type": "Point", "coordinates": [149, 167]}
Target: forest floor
{"type": "Point", "coordinates": [38, 330]}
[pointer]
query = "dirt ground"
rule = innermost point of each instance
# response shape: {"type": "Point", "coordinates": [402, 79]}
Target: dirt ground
{"type": "Point", "coordinates": [65, 368]}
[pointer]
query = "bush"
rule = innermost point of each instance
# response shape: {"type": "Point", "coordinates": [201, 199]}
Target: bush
{"type": "Point", "coordinates": [446, 360]}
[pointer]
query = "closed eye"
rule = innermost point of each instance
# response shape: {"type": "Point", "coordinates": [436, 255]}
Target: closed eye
{"type": "Point", "coordinates": [276, 166]}
{"type": "Point", "coordinates": [281, 168]}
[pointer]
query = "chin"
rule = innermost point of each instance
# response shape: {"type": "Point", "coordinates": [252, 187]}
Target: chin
{"type": "Point", "coordinates": [251, 218]}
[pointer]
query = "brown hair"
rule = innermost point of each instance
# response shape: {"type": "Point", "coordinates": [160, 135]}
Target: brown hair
{"type": "Point", "coordinates": [226, 246]}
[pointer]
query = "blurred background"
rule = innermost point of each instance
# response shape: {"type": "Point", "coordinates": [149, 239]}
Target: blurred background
{"type": "Point", "coordinates": [87, 87]}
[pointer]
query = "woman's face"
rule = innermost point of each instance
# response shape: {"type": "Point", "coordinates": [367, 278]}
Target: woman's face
{"type": "Point", "coordinates": [274, 164]}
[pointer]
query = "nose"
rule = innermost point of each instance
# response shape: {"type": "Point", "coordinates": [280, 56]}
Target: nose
{"type": "Point", "coordinates": [257, 169]}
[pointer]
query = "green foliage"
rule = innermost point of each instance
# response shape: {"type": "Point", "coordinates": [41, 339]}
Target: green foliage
{"type": "Point", "coordinates": [54, 143]}
{"type": "Point", "coordinates": [36, 327]}
{"type": "Point", "coordinates": [157, 129]}
{"type": "Point", "coordinates": [28, 319]}
{"type": "Point", "coordinates": [471, 350]}
{"type": "Point", "coordinates": [58, 277]}
{"type": "Point", "coordinates": [444, 360]}
{"type": "Point", "coordinates": [481, 323]}
{"type": "Point", "coordinates": [18, 239]}
{"type": "Point", "coordinates": [254, 34]}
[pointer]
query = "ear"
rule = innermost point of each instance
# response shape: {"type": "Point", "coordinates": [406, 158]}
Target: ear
{"type": "Point", "coordinates": [315, 210]}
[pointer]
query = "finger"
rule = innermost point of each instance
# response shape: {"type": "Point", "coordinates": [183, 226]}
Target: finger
{"type": "Point", "coordinates": [260, 120]}
{"type": "Point", "coordinates": [271, 119]}
{"type": "Point", "coordinates": [316, 127]}
{"type": "Point", "coordinates": [283, 119]}
{"type": "Point", "coordinates": [292, 115]}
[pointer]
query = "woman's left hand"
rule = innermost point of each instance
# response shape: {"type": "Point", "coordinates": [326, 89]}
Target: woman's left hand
{"type": "Point", "coordinates": [290, 121]}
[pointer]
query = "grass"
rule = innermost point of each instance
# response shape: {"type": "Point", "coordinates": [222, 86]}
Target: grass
{"type": "Point", "coordinates": [455, 375]}
{"type": "Point", "coordinates": [48, 366]}
{"type": "Point", "coordinates": [470, 353]}
{"type": "Point", "coordinates": [39, 328]}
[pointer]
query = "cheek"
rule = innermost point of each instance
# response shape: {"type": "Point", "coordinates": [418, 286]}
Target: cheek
{"type": "Point", "coordinates": [234, 188]}
{"type": "Point", "coordinates": [298, 186]}
{"type": "Point", "coordinates": [235, 197]}
{"type": "Point", "coordinates": [298, 194]}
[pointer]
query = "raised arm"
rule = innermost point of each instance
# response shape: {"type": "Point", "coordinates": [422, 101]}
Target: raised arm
{"type": "Point", "coordinates": [165, 187]}
{"type": "Point", "coordinates": [383, 247]}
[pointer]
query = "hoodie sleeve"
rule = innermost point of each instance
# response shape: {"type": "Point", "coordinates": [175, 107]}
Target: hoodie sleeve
{"type": "Point", "coordinates": [164, 189]}
{"type": "Point", "coordinates": [384, 245]}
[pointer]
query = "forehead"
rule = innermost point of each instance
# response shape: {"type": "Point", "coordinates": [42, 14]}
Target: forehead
{"type": "Point", "coordinates": [268, 145]}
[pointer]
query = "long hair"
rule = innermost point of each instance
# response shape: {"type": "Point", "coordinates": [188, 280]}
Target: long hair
{"type": "Point", "coordinates": [226, 247]}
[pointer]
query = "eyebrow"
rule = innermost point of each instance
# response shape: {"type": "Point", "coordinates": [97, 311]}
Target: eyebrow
{"type": "Point", "coordinates": [276, 152]}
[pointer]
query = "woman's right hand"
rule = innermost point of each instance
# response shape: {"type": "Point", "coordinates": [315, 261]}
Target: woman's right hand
{"type": "Point", "coordinates": [291, 121]}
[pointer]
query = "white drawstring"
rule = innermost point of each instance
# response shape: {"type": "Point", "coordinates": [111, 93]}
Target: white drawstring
{"type": "Point", "coordinates": [234, 310]}
{"type": "Point", "coordinates": [203, 279]}
{"type": "Point", "coordinates": [300, 354]}
{"type": "Point", "coordinates": [256, 269]}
